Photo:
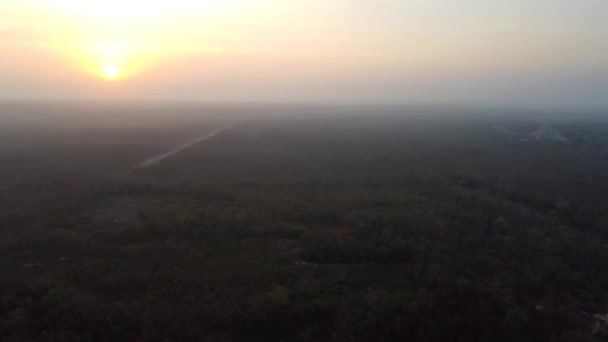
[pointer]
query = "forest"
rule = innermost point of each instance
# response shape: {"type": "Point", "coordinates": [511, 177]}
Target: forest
{"type": "Point", "coordinates": [301, 224]}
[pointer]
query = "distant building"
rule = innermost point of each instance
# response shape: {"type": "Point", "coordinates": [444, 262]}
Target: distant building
{"type": "Point", "coordinates": [546, 132]}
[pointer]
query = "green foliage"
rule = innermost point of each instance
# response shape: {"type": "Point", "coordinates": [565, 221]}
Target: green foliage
{"type": "Point", "coordinates": [362, 229]}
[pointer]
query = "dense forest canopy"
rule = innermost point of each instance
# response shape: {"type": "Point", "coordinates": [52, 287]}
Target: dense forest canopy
{"type": "Point", "coordinates": [305, 223]}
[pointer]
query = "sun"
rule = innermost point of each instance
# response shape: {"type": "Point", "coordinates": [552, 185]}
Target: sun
{"type": "Point", "coordinates": [116, 40]}
{"type": "Point", "coordinates": [115, 61]}
{"type": "Point", "coordinates": [111, 72]}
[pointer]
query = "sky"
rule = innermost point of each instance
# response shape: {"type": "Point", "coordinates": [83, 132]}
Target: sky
{"type": "Point", "coordinates": [521, 52]}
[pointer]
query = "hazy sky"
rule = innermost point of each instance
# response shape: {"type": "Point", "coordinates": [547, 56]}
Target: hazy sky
{"type": "Point", "coordinates": [470, 51]}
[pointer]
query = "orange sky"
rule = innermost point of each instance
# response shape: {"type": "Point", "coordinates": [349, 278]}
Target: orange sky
{"type": "Point", "coordinates": [344, 50]}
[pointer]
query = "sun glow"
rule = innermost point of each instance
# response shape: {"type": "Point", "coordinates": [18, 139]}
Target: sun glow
{"type": "Point", "coordinates": [111, 72]}
{"type": "Point", "coordinates": [108, 60]}
{"type": "Point", "coordinates": [113, 62]}
{"type": "Point", "coordinates": [116, 39]}
{"type": "Point", "coordinates": [120, 40]}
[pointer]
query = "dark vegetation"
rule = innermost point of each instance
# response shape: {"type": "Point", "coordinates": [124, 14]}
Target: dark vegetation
{"type": "Point", "coordinates": [349, 227]}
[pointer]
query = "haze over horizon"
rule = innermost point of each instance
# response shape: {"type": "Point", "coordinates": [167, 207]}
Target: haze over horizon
{"type": "Point", "coordinates": [467, 51]}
